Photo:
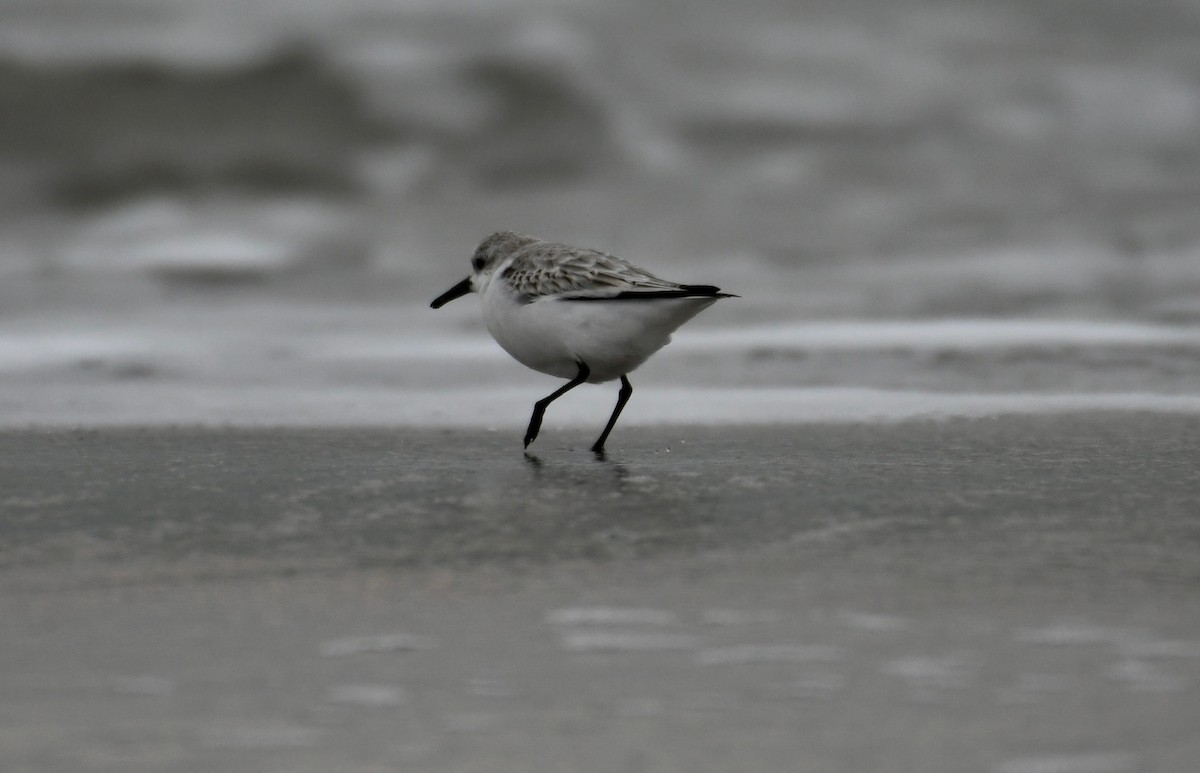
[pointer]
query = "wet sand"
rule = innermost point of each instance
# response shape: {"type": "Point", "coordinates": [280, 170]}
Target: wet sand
{"type": "Point", "coordinates": [1012, 594]}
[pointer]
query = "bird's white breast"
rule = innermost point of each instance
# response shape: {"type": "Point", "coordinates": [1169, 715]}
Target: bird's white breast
{"type": "Point", "coordinates": [612, 337]}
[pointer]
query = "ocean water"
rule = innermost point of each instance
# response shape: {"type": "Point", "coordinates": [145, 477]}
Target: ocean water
{"type": "Point", "coordinates": [216, 212]}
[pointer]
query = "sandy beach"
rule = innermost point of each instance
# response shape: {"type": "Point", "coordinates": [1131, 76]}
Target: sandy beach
{"type": "Point", "coordinates": [1008, 594]}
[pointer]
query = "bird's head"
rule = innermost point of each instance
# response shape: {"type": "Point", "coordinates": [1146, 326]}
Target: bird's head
{"type": "Point", "coordinates": [489, 255]}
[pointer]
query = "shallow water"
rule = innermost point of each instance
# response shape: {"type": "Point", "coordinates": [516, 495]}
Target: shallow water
{"type": "Point", "coordinates": [1004, 594]}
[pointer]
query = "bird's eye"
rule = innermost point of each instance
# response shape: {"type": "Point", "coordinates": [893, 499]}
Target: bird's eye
{"type": "Point", "coordinates": [477, 263]}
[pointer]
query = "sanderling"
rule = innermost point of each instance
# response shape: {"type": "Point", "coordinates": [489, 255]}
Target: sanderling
{"type": "Point", "coordinates": [574, 313]}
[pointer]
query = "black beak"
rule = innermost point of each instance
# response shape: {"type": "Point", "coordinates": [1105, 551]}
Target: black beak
{"type": "Point", "coordinates": [457, 291]}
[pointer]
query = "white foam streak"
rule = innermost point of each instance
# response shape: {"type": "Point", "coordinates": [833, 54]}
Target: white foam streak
{"type": "Point", "coordinates": [959, 334]}
{"type": "Point", "coordinates": [1098, 762]}
{"type": "Point", "coordinates": [387, 642]}
{"type": "Point", "coordinates": [610, 616]}
{"type": "Point", "coordinates": [621, 641]}
{"type": "Point", "coordinates": [153, 404]}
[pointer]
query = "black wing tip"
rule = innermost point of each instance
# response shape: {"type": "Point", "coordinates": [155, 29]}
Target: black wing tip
{"type": "Point", "coordinates": [707, 291]}
{"type": "Point", "coordinates": [683, 291]}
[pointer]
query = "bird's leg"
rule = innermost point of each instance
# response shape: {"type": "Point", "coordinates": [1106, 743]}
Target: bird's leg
{"type": "Point", "coordinates": [622, 398]}
{"type": "Point", "coordinates": [539, 408]}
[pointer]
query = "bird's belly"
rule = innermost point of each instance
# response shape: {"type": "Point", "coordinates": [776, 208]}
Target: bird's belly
{"type": "Point", "coordinates": [531, 335]}
{"type": "Point", "coordinates": [612, 337]}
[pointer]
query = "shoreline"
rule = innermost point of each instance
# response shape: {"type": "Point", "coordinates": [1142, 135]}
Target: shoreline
{"type": "Point", "coordinates": [147, 406]}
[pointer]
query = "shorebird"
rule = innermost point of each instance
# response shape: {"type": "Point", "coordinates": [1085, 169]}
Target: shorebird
{"type": "Point", "coordinates": [575, 313]}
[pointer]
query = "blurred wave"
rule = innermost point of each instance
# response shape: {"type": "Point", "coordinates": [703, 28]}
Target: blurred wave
{"type": "Point", "coordinates": [95, 133]}
{"type": "Point", "coordinates": [811, 133]}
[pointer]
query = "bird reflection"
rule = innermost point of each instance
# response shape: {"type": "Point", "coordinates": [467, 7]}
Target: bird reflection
{"type": "Point", "coordinates": [541, 468]}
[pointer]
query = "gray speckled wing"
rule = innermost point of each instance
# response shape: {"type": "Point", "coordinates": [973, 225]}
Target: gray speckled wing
{"type": "Point", "coordinates": [545, 269]}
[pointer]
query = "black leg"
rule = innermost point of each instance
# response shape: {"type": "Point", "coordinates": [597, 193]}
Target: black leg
{"type": "Point", "coordinates": [539, 408]}
{"type": "Point", "coordinates": [622, 398]}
